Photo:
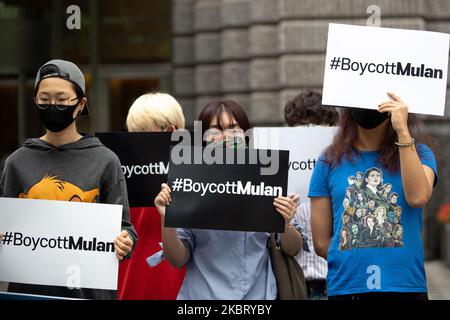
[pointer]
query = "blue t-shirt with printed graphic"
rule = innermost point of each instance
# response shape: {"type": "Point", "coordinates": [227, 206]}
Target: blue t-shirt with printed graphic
{"type": "Point", "coordinates": [377, 237]}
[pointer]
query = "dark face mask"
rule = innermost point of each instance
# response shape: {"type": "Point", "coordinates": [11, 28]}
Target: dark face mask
{"type": "Point", "coordinates": [54, 119]}
{"type": "Point", "coordinates": [367, 118]}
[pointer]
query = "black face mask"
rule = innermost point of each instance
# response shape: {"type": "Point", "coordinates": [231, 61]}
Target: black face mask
{"type": "Point", "coordinates": [56, 120]}
{"type": "Point", "coordinates": [367, 118]}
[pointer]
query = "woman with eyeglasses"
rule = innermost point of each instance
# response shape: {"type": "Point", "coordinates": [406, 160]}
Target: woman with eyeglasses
{"type": "Point", "coordinates": [64, 165]}
{"type": "Point", "coordinates": [226, 264]}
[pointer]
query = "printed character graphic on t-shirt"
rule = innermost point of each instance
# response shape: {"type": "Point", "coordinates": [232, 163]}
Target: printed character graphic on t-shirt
{"type": "Point", "coordinates": [371, 217]}
{"type": "Point", "coordinates": [52, 188]}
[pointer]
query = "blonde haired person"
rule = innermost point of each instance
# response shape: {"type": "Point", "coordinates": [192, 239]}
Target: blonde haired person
{"type": "Point", "coordinates": [151, 112]}
{"type": "Point", "coordinates": [155, 112]}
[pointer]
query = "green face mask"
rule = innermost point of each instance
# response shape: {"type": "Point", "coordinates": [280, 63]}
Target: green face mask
{"type": "Point", "coordinates": [233, 143]}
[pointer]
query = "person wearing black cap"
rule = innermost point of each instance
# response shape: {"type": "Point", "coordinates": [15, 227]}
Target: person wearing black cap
{"type": "Point", "coordinates": [66, 75]}
{"type": "Point", "coordinates": [64, 165]}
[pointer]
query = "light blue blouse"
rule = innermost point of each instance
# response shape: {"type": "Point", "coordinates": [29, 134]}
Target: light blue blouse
{"type": "Point", "coordinates": [227, 265]}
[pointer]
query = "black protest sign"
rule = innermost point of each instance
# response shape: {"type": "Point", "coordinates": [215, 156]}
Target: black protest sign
{"type": "Point", "coordinates": [144, 157]}
{"type": "Point", "coordinates": [228, 196]}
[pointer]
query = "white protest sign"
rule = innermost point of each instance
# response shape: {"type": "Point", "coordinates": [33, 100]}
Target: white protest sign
{"type": "Point", "coordinates": [305, 144]}
{"type": "Point", "coordinates": [363, 63]}
{"type": "Point", "coordinates": [59, 243]}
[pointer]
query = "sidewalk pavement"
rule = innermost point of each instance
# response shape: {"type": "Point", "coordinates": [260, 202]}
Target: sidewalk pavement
{"type": "Point", "coordinates": [438, 280]}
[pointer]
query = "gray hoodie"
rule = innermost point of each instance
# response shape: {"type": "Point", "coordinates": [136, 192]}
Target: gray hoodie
{"type": "Point", "coordinates": [89, 172]}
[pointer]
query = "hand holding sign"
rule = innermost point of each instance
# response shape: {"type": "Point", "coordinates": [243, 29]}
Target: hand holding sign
{"type": "Point", "coordinates": [123, 245]}
{"type": "Point", "coordinates": [399, 114]}
{"type": "Point", "coordinates": [233, 192]}
{"type": "Point", "coordinates": [287, 206]}
{"type": "Point", "coordinates": [81, 255]}
{"type": "Point", "coordinates": [163, 199]}
{"type": "Point", "coordinates": [362, 63]}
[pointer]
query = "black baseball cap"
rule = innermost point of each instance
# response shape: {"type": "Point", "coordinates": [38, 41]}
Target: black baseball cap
{"type": "Point", "coordinates": [65, 70]}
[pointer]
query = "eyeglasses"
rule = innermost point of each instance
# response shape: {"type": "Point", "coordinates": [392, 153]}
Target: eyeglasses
{"type": "Point", "coordinates": [234, 138]}
{"type": "Point", "coordinates": [214, 132]}
{"type": "Point", "coordinates": [235, 143]}
{"type": "Point", "coordinates": [60, 103]}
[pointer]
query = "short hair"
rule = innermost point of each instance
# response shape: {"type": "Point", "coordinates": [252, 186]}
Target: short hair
{"type": "Point", "coordinates": [307, 108]}
{"type": "Point", "coordinates": [154, 110]}
{"type": "Point", "coordinates": [366, 176]}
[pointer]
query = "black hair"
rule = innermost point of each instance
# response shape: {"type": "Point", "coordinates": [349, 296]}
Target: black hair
{"type": "Point", "coordinates": [78, 91]}
{"type": "Point", "coordinates": [307, 108]}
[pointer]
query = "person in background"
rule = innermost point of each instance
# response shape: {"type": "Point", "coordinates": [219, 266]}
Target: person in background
{"type": "Point", "coordinates": [155, 112]}
{"type": "Point", "coordinates": [304, 110]}
{"type": "Point", "coordinates": [151, 112]}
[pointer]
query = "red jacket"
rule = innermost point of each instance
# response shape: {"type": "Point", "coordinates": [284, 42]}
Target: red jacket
{"type": "Point", "coordinates": [139, 281]}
